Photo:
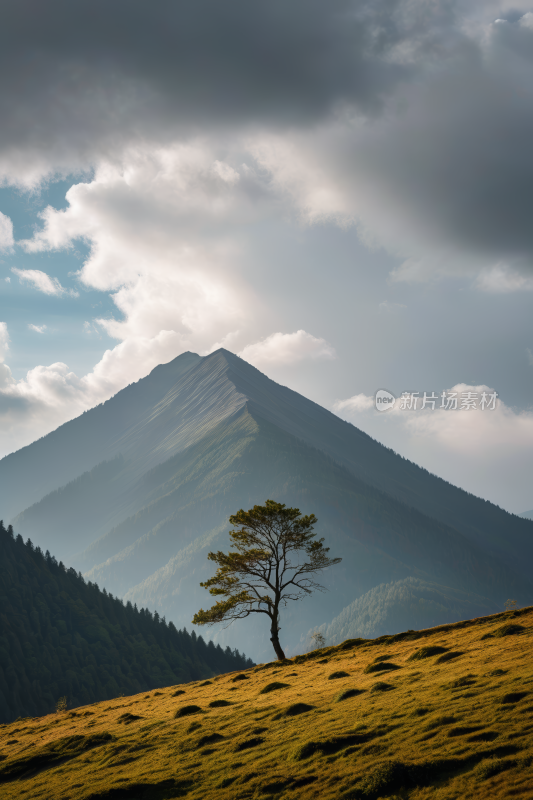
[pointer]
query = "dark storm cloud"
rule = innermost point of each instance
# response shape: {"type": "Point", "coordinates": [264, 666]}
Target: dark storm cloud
{"type": "Point", "coordinates": [102, 65]}
{"type": "Point", "coordinates": [459, 157]}
{"type": "Point", "coordinates": [446, 93]}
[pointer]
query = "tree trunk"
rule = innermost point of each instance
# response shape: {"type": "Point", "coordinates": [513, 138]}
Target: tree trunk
{"type": "Point", "coordinates": [275, 640]}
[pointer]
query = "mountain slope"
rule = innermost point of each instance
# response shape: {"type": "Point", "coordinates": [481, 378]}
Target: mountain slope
{"type": "Point", "coordinates": [201, 437]}
{"type": "Point", "coordinates": [441, 713]}
{"type": "Point", "coordinates": [402, 605]}
{"type": "Point", "coordinates": [79, 445]}
{"type": "Point", "coordinates": [179, 403]}
{"type": "Point", "coordinates": [62, 637]}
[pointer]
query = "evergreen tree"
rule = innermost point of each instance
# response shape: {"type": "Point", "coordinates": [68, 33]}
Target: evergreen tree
{"type": "Point", "coordinates": [62, 637]}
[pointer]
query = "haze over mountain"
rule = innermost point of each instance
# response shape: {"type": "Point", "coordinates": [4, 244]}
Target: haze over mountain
{"type": "Point", "coordinates": [136, 491]}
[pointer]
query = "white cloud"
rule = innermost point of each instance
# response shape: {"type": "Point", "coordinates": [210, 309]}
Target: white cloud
{"type": "Point", "coordinates": [355, 404]}
{"type": "Point", "coordinates": [287, 348]}
{"type": "Point", "coordinates": [389, 307]}
{"type": "Point", "coordinates": [43, 282]}
{"type": "Point", "coordinates": [475, 449]}
{"type": "Point", "coordinates": [4, 340]}
{"type": "Point", "coordinates": [502, 279]}
{"type": "Point", "coordinates": [6, 233]}
{"type": "Point", "coordinates": [163, 226]}
{"type": "Point", "coordinates": [7, 280]}
{"type": "Point", "coordinates": [475, 434]}
{"type": "Point", "coordinates": [50, 395]}
{"type": "Point", "coordinates": [5, 372]}
{"type": "Point", "coordinates": [37, 328]}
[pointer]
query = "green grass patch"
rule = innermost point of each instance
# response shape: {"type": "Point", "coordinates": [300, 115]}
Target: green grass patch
{"type": "Point", "coordinates": [490, 767]}
{"type": "Point", "coordinates": [505, 630]}
{"type": "Point", "coordinates": [439, 722]}
{"type": "Point", "coordinates": [484, 736]}
{"type": "Point", "coordinates": [209, 738]}
{"type": "Point", "coordinates": [463, 730]}
{"type": "Point", "coordinates": [48, 756]}
{"type": "Point", "coordinates": [427, 652]}
{"type": "Point", "coordinates": [178, 692]}
{"type": "Point", "coordinates": [328, 746]}
{"type": "Point", "coordinates": [421, 711]}
{"type": "Point", "coordinates": [381, 686]}
{"type": "Point", "coordinates": [126, 719]}
{"type": "Point", "coordinates": [184, 711]}
{"type": "Point", "coordinates": [339, 674]}
{"type": "Point", "coordinates": [381, 666]}
{"type": "Point", "coordinates": [161, 790]}
{"type": "Point", "coordinates": [460, 683]}
{"type": "Point", "coordinates": [219, 703]}
{"type": "Point", "coordinates": [346, 694]}
{"type": "Point", "coordinates": [448, 657]}
{"type": "Point", "coordinates": [273, 687]}
{"type": "Point", "coordinates": [513, 697]}
{"type": "Point", "coordinates": [255, 741]}
{"type": "Point", "coordinates": [241, 677]}
{"type": "Point", "coordinates": [293, 710]}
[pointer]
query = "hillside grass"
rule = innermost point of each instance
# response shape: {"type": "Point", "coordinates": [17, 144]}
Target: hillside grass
{"type": "Point", "coordinates": [460, 727]}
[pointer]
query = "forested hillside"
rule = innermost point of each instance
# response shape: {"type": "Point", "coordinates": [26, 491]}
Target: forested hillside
{"type": "Point", "coordinates": [61, 636]}
{"type": "Point", "coordinates": [404, 605]}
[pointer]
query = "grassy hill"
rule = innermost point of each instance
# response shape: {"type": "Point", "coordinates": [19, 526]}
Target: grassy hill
{"type": "Point", "coordinates": [438, 713]}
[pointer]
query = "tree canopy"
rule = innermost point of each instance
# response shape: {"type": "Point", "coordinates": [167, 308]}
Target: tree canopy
{"type": "Point", "coordinates": [62, 636]}
{"type": "Point", "coordinates": [267, 568]}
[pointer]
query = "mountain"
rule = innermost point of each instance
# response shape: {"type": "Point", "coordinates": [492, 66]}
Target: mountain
{"type": "Point", "coordinates": [63, 637]}
{"type": "Point", "coordinates": [527, 514]}
{"type": "Point", "coordinates": [403, 605]}
{"type": "Point", "coordinates": [136, 491]}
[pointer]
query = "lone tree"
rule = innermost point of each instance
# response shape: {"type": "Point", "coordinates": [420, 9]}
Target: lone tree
{"type": "Point", "coordinates": [267, 570]}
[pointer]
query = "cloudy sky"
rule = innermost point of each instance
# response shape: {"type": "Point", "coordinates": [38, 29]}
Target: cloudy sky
{"type": "Point", "coordinates": [341, 191]}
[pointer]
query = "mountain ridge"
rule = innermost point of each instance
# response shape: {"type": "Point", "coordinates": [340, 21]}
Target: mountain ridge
{"type": "Point", "coordinates": [201, 437]}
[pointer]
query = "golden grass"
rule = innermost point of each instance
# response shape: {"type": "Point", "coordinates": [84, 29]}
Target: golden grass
{"type": "Point", "coordinates": [457, 727]}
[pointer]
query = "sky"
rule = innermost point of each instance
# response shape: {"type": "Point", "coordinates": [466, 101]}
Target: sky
{"type": "Point", "coordinates": [339, 191]}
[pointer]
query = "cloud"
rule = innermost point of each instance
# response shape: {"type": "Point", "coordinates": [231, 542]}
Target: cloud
{"type": "Point", "coordinates": [50, 395]}
{"type": "Point", "coordinates": [476, 449]}
{"type": "Point", "coordinates": [411, 121]}
{"type": "Point", "coordinates": [286, 348]}
{"type": "Point", "coordinates": [43, 282]}
{"type": "Point", "coordinates": [389, 307]}
{"type": "Point", "coordinates": [4, 340]}
{"type": "Point", "coordinates": [6, 233]}
{"type": "Point", "coordinates": [99, 76]}
{"type": "Point", "coordinates": [502, 279]}
{"type": "Point", "coordinates": [37, 328]}
{"type": "Point", "coordinates": [441, 177]}
{"type": "Point", "coordinates": [355, 404]}
{"type": "Point", "coordinates": [5, 372]}
{"type": "Point", "coordinates": [164, 228]}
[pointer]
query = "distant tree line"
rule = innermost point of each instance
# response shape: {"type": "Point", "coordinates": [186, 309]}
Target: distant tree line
{"type": "Point", "coordinates": [63, 636]}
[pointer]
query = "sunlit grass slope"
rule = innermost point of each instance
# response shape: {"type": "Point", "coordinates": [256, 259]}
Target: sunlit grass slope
{"type": "Point", "coordinates": [440, 713]}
